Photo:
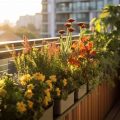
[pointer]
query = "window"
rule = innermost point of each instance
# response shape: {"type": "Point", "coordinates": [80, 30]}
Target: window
{"type": "Point", "coordinates": [64, 6]}
{"type": "Point", "coordinates": [62, 17]}
{"type": "Point", "coordinates": [77, 6]}
{"type": "Point", "coordinates": [45, 28]}
{"type": "Point", "coordinates": [93, 5]}
{"type": "Point", "coordinates": [110, 1]}
{"type": "Point", "coordinates": [100, 4]}
{"type": "Point", "coordinates": [59, 27]}
{"type": "Point", "coordinates": [45, 18]}
{"type": "Point", "coordinates": [44, 8]}
{"type": "Point", "coordinates": [80, 17]}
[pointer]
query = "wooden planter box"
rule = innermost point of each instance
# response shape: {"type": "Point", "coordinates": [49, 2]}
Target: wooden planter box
{"type": "Point", "coordinates": [80, 92]}
{"type": "Point", "coordinates": [60, 106]}
{"type": "Point", "coordinates": [48, 114]}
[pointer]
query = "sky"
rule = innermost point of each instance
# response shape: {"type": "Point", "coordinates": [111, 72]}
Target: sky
{"type": "Point", "coordinates": [12, 9]}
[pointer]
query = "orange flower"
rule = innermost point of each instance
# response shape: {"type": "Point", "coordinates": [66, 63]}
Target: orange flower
{"type": "Point", "coordinates": [92, 53]}
{"type": "Point", "coordinates": [74, 45]}
{"type": "Point", "coordinates": [26, 45]}
{"type": "Point", "coordinates": [85, 38]}
{"type": "Point", "coordinates": [73, 61]}
{"type": "Point", "coordinates": [53, 49]}
{"type": "Point", "coordinates": [89, 46]}
{"type": "Point", "coordinates": [82, 46]}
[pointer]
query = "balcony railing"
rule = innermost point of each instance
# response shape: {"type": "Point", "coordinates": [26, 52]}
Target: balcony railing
{"type": "Point", "coordinates": [6, 49]}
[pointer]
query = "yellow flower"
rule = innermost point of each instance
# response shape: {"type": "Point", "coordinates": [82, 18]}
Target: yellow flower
{"type": "Point", "coordinates": [30, 104]}
{"type": "Point", "coordinates": [24, 79]}
{"type": "Point", "coordinates": [49, 82]}
{"type": "Point", "coordinates": [47, 92]}
{"type": "Point", "coordinates": [30, 86]}
{"type": "Point", "coordinates": [53, 78]}
{"type": "Point", "coordinates": [65, 82]}
{"type": "Point", "coordinates": [21, 107]}
{"type": "Point", "coordinates": [58, 91]}
{"type": "Point", "coordinates": [2, 83]}
{"type": "Point", "coordinates": [3, 92]}
{"type": "Point", "coordinates": [39, 76]}
{"type": "Point", "coordinates": [45, 101]}
{"type": "Point", "coordinates": [28, 94]}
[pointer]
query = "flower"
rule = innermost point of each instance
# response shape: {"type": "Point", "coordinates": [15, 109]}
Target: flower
{"type": "Point", "coordinates": [89, 46]}
{"type": "Point", "coordinates": [30, 86]}
{"type": "Point", "coordinates": [39, 76]}
{"type": "Point", "coordinates": [65, 82]}
{"type": "Point", "coordinates": [85, 38]}
{"type": "Point", "coordinates": [67, 24]}
{"type": "Point", "coordinates": [21, 107]}
{"type": "Point", "coordinates": [73, 61]}
{"type": "Point", "coordinates": [53, 78]}
{"type": "Point", "coordinates": [2, 83]}
{"type": "Point", "coordinates": [71, 29]}
{"type": "Point", "coordinates": [70, 20]}
{"type": "Point", "coordinates": [45, 101]}
{"type": "Point", "coordinates": [74, 45]}
{"type": "Point", "coordinates": [30, 104]}
{"type": "Point", "coordinates": [92, 53]}
{"type": "Point", "coordinates": [58, 91]}
{"type": "Point", "coordinates": [28, 94]}
{"type": "Point", "coordinates": [49, 82]}
{"type": "Point", "coordinates": [53, 50]}
{"type": "Point", "coordinates": [47, 92]}
{"type": "Point", "coordinates": [24, 79]}
{"type": "Point", "coordinates": [82, 24]}
{"type": "Point", "coordinates": [26, 45]}
{"type": "Point", "coordinates": [3, 92]}
{"type": "Point", "coordinates": [61, 32]}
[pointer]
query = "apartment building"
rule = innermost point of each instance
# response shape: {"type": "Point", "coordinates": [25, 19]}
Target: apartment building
{"type": "Point", "coordinates": [36, 20]}
{"type": "Point", "coordinates": [56, 12]}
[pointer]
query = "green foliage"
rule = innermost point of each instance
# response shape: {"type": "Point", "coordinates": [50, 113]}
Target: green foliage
{"type": "Point", "coordinates": [107, 40]}
{"type": "Point", "coordinates": [25, 31]}
{"type": "Point", "coordinates": [23, 97]}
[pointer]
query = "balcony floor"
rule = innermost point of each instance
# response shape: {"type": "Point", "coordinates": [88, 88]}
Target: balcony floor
{"type": "Point", "coordinates": [114, 114]}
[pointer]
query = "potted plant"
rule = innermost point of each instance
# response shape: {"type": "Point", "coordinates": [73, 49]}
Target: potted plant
{"type": "Point", "coordinates": [64, 87]}
{"type": "Point", "coordinates": [106, 37]}
{"type": "Point", "coordinates": [83, 61]}
{"type": "Point", "coordinates": [27, 98]}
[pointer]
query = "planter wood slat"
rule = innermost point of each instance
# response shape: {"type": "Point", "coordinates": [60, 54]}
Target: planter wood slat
{"type": "Point", "coordinates": [93, 106]}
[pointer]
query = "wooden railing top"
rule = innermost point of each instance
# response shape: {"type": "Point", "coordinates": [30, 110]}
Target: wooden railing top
{"type": "Point", "coordinates": [5, 53]}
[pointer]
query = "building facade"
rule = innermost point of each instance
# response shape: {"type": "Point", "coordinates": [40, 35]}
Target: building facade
{"type": "Point", "coordinates": [56, 12]}
{"type": "Point", "coordinates": [36, 20]}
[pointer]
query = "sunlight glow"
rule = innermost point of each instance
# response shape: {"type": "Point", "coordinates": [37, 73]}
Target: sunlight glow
{"type": "Point", "coordinates": [12, 9]}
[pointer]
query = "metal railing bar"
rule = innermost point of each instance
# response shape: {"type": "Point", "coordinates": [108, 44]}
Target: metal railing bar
{"type": "Point", "coordinates": [3, 65]}
{"type": "Point", "coordinates": [2, 71]}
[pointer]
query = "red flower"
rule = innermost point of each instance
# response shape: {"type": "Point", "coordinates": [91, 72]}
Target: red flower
{"type": "Point", "coordinates": [71, 29]}
{"type": "Point", "coordinates": [61, 32]}
{"type": "Point", "coordinates": [70, 20]}
{"type": "Point", "coordinates": [89, 46]}
{"type": "Point", "coordinates": [73, 61]}
{"type": "Point", "coordinates": [82, 24]}
{"type": "Point", "coordinates": [67, 24]}
{"type": "Point", "coordinates": [93, 53]}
